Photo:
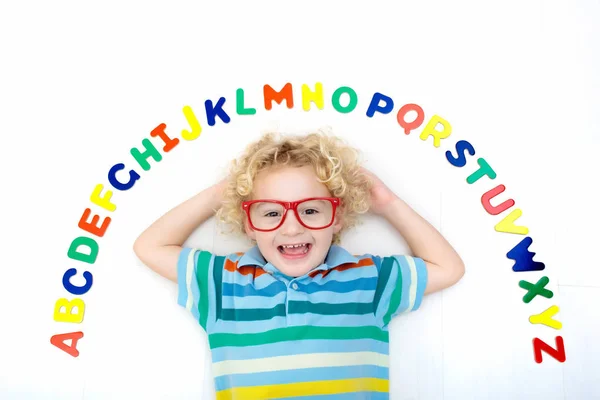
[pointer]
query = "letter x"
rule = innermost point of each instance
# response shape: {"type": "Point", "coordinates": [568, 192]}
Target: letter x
{"type": "Point", "coordinates": [534, 290]}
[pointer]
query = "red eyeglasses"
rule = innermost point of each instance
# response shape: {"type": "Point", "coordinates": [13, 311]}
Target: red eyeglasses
{"type": "Point", "coordinates": [312, 213]}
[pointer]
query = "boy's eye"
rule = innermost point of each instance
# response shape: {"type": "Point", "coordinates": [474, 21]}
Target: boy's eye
{"type": "Point", "coordinates": [311, 213]}
{"type": "Point", "coordinates": [272, 212]}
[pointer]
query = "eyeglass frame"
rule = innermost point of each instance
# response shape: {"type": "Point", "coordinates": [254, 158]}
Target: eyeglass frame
{"type": "Point", "coordinates": [291, 205]}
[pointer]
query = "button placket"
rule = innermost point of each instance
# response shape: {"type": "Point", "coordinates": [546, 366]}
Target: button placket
{"type": "Point", "coordinates": [292, 296]}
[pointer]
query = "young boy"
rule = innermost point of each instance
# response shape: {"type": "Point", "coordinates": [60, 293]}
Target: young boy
{"type": "Point", "coordinates": [297, 315]}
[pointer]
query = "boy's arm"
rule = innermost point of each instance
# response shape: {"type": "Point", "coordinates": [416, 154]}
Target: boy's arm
{"type": "Point", "coordinates": [159, 245]}
{"type": "Point", "coordinates": [444, 265]}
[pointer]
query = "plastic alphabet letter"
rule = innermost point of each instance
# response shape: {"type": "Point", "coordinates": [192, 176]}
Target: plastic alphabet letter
{"type": "Point", "coordinates": [239, 104]}
{"type": "Point", "coordinates": [216, 110]}
{"type": "Point", "coordinates": [142, 158]}
{"type": "Point", "coordinates": [430, 130]}
{"type": "Point", "coordinates": [104, 201]}
{"type": "Point", "coordinates": [112, 177]}
{"type": "Point", "coordinates": [352, 102]}
{"type": "Point", "coordinates": [59, 341]}
{"type": "Point", "coordinates": [74, 253]}
{"type": "Point", "coordinates": [558, 353]}
{"type": "Point", "coordinates": [92, 227]}
{"type": "Point", "coordinates": [546, 318]}
{"type": "Point", "coordinates": [194, 124]}
{"type": "Point", "coordinates": [490, 194]}
{"type": "Point", "coordinates": [309, 96]}
{"type": "Point", "coordinates": [409, 126]}
{"type": "Point", "coordinates": [77, 290]}
{"type": "Point", "coordinates": [170, 143]}
{"type": "Point", "coordinates": [271, 95]}
{"type": "Point", "coordinates": [534, 290]}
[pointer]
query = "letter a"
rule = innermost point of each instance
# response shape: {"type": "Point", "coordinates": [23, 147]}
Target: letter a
{"type": "Point", "coordinates": [59, 341]}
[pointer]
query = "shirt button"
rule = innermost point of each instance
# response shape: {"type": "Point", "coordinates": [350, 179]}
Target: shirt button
{"type": "Point", "coordinates": [295, 286]}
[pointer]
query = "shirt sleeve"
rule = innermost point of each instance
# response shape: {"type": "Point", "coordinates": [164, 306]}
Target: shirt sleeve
{"type": "Point", "coordinates": [195, 283]}
{"type": "Point", "coordinates": [401, 286]}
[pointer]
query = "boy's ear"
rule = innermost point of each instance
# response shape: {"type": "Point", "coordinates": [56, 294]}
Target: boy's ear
{"type": "Point", "coordinates": [249, 231]}
{"type": "Point", "coordinates": [338, 223]}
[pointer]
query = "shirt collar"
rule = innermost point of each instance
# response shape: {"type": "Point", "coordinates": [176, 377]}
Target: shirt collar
{"type": "Point", "coordinates": [336, 255]}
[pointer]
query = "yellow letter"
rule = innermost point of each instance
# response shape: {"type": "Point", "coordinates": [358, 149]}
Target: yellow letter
{"type": "Point", "coordinates": [194, 124]}
{"type": "Point", "coordinates": [316, 96]}
{"type": "Point", "coordinates": [68, 315]}
{"type": "Point", "coordinates": [431, 131]}
{"type": "Point", "coordinates": [103, 202]}
{"type": "Point", "coordinates": [546, 318]}
{"type": "Point", "coordinates": [507, 224]}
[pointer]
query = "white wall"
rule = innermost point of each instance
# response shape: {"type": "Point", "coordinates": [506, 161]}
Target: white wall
{"type": "Point", "coordinates": [82, 84]}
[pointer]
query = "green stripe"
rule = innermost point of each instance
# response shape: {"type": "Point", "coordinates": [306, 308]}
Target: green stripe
{"type": "Point", "coordinates": [252, 314]}
{"type": "Point", "coordinates": [301, 307]}
{"type": "Point", "coordinates": [218, 278]}
{"type": "Point", "coordinates": [396, 297]}
{"type": "Point", "coordinates": [203, 265]}
{"type": "Point", "coordinates": [297, 333]}
{"type": "Point", "coordinates": [384, 275]}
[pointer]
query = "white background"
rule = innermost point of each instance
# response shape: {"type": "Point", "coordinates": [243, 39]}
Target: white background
{"type": "Point", "coordinates": [82, 83]}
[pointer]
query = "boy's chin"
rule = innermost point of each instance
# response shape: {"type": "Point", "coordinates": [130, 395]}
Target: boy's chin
{"type": "Point", "coordinates": [295, 272]}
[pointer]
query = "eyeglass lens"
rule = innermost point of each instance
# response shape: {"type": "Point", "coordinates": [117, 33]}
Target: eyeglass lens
{"type": "Point", "coordinates": [313, 213]}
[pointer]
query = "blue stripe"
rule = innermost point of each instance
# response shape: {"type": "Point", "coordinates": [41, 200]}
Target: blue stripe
{"type": "Point", "coordinates": [367, 271]}
{"type": "Point", "coordinates": [181, 275]}
{"type": "Point", "coordinates": [300, 375]}
{"type": "Point", "coordinates": [249, 326]}
{"type": "Point", "coordinates": [307, 319]}
{"type": "Point", "coordinates": [298, 347]}
{"type": "Point", "coordinates": [340, 286]}
{"type": "Point", "coordinates": [253, 301]}
{"type": "Point", "coordinates": [421, 281]}
{"type": "Point", "coordinates": [359, 296]}
{"type": "Point", "coordinates": [212, 306]}
{"type": "Point", "coordinates": [234, 289]}
{"type": "Point", "coordinates": [386, 295]}
{"type": "Point", "coordinates": [260, 283]}
{"type": "Point", "coordinates": [376, 260]}
{"type": "Point", "coordinates": [406, 284]}
{"type": "Point", "coordinates": [195, 289]}
{"type": "Point", "coordinates": [350, 320]}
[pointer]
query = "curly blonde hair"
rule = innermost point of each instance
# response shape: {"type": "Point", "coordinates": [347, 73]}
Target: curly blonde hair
{"type": "Point", "coordinates": [335, 163]}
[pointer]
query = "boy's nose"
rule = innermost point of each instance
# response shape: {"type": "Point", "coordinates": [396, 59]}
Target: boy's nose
{"type": "Point", "coordinates": [291, 225]}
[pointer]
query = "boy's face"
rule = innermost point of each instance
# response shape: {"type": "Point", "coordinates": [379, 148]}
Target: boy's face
{"type": "Point", "coordinates": [292, 184]}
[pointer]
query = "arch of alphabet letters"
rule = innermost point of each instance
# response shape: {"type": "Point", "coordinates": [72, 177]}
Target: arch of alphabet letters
{"type": "Point", "coordinates": [82, 251]}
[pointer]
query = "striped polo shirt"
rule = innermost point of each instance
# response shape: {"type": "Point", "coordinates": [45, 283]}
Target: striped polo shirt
{"type": "Point", "coordinates": [323, 335]}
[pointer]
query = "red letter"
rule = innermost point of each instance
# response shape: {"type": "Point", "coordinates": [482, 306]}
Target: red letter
{"type": "Point", "coordinates": [490, 194]}
{"type": "Point", "coordinates": [409, 126]}
{"type": "Point", "coordinates": [285, 93]}
{"type": "Point", "coordinates": [59, 341]}
{"type": "Point", "coordinates": [558, 353]}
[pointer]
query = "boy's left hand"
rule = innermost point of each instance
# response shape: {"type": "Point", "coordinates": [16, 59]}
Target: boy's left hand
{"type": "Point", "coordinates": [381, 196]}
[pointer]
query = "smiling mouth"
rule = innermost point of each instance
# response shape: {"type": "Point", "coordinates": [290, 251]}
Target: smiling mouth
{"type": "Point", "coordinates": [291, 252]}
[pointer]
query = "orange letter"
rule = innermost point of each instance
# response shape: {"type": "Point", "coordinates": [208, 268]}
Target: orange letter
{"type": "Point", "coordinates": [92, 227]}
{"type": "Point", "coordinates": [59, 341]}
{"type": "Point", "coordinates": [285, 93]}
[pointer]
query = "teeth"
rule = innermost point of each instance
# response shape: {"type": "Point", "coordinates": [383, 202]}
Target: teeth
{"type": "Point", "coordinates": [293, 246]}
